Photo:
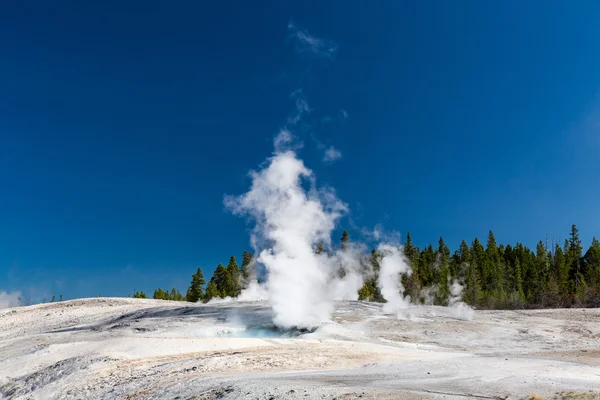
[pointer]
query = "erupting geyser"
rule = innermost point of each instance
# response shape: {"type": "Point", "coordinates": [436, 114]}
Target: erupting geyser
{"type": "Point", "coordinates": [289, 223]}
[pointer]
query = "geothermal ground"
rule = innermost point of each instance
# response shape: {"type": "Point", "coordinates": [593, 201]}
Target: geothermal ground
{"type": "Point", "coordinates": [110, 348]}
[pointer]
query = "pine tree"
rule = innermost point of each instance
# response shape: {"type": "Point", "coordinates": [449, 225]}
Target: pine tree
{"type": "Point", "coordinates": [443, 273]}
{"type": "Point", "coordinates": [211, 291]}
{"type": "Point", "coordinates": [247, 267]}
{"type": "Point", "coordinates": [574, 255]}
{"type": "Point", "coordinates": [472, 294]}
{"type": "Point", "coordinates": [518, 281]}
{"type": "Point", "coordinates": [375, 261]}
{"type": "Point", "coordinates": [443, 289]}
{"type": "Point", "coordinates": [223, 280]}
{"type": "Point", "coordinates": [463, 252]}
{"type": "Point", "coordinates": [592, 268]}
{"type": "Point", "coordinates": [159, 294]}
{"type": "Point", "coordinates": [539, 275]}
{"type": "Point", "coordinates": [492, 273]}
{"type": "Point", "coordinates": [458, 262]}
{"type": "Point", "coordinates": [364, 293]}
{"type": "Point", "coordinates": [194, 292]}
{"type": "Point", "coordinates": [411, 283]}
{"type": "Point", "coordinates": [443, 250]}
{"type": "Point", "coordinates": [345, 240]}
{"type": "Point", "coordinates": [426, 266]}
{"type": "Point", "coordinates": [234, 288]}
{"type": "Point", "coordinates": [320, 248]}
{"type": "Point", "coordinates": [477, 257]}
{"type": "Point", "coordinates": [562, 270]}
{"type": "Point", "coordinates": [411, 251]}
{"type": "Point", "coordinates": [575, 248]}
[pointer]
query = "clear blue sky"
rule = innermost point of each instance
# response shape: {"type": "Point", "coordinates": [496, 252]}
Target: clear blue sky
{"type": "Point", "coordinates": [123, 124]}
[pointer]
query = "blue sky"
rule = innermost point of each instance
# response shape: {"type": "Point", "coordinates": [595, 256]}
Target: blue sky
{"type": "Point", "coordinates": [122, 126]}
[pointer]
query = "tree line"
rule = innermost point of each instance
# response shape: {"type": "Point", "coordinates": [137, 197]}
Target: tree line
{"type": "Point", "coordinates": [499, 276]}
{"type": "Point", "coordinates": [225, 282]}
{"type": "Point", "coordinates": [492, 276]}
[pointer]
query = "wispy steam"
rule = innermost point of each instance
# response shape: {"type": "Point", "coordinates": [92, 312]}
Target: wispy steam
{"type": "Point", "coordinates": [283, 141]}
{"type": "Point", "coordinates": [458, 308]}
{"type": "Point", "coordinates": [302, 107]}
{"type": "Point", "coordinates": [9, 299]}
{"type": "Point", "coordinates": [340, 117]}
{"type": "Point", "coordinates": [331, 154]}
{"type": "Point", "coordinates": [307, 43]}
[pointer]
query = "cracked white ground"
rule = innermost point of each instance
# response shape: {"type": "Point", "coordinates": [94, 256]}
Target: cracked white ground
{"type": "Point", "coordinates": [111, 348]}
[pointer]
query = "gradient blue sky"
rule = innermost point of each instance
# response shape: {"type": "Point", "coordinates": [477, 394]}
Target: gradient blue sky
{"type": "Point", "coordinates": [123, 125]}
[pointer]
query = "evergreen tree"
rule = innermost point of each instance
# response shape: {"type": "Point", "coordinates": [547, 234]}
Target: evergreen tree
{"type": "Point", "coordinates": [345, 240]}
{"type": "Point", "coordinates": [574, 255]}
{"type": "Point", "coordinates": [159, 294]}
{"type": "Point", "coordinates": [234, 288]}
{"type": "Point", "coordinates": [426, 266]}
{"type": "Point", "coordinates": [463, 252]}
{"type": "Point", "coordinates": [411, 251]}
{"type": "Point", "coordinates": [492, 272]}
{"type": "Point", "coordinates": [443, 250]}
{"type": "Point", "coordinates": [247, 266]}
{"type": "Point", "coordinates": [320, 248]}
{"type": "Point", "coordinates": [443, 273]}
{"type": "Point", "coordinates": [370, 290]}
{"type": "Point", "coordinates": [539, 274]}
{"type": "Point", "coordinates": [574, 243]}
{"type": "Point", "coordinates": [592, 266]}
{"type": "Point", "coordinates": [443, 286]}
{"type": "Point", "coordinates": [194, 292]}
{"type": "Point", "coordinates": [562, 275]}
{"type": "Point", "coordinates": [459, 261]}
{"type": "Point", "coordinates": [518, 281]}
{"type": "Point", "coordinates": [211, 291]}
{"type": "Point", "coordinates": [411, 283]}
{"type": "Point", "coordinates": [223, 280]}
{"type": "Point", "coordinates": [472, 293]}
{"type": "Point", "coordinates": [375, 261]}
{"type": "Point", "coordinates": [477, 258]}
{"type": "Point", "coordinates": [477, 255]}
{"type": "Point", "coordinates": [364, 293]}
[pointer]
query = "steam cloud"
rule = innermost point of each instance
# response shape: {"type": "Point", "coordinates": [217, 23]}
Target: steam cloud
{"type": "Point", "coordinates": [392, 265]}
{"type": "Point", "coordinates": [8, 300]}
{"type": "Point", "coordinates": [290, 221]}
{"type": "Point", "coordinates": [458, 308]}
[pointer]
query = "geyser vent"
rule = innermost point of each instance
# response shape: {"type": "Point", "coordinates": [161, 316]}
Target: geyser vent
{"type": "Point", "coordinates": [266, 331]}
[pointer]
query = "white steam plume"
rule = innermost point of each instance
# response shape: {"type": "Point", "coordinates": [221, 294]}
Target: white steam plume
{"type": "Point", "coordinates": [8, 300]}
{"type": "Point", "coordinates": [458, 308]}
{"type": "Point", "coordinates": [290, 222]}
{"type": "Point", "coordinates": [392, 265]}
